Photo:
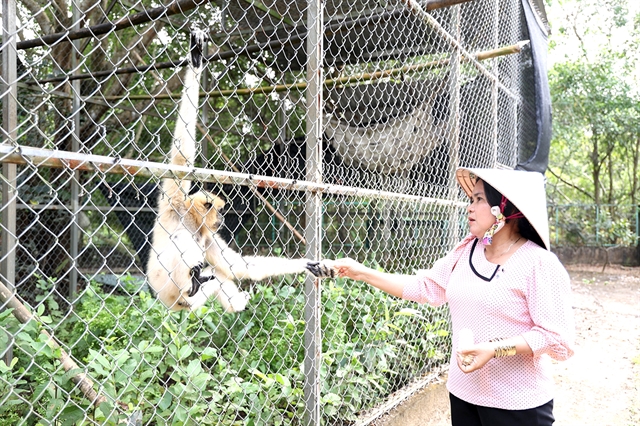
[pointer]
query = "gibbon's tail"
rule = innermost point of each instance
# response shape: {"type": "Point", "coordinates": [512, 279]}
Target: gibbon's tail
{"type": "Point", "coordinates": [183, 150]}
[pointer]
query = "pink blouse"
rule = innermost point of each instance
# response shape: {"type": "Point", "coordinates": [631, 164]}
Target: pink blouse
{"type": "Point", "coordinates": [528, 296]}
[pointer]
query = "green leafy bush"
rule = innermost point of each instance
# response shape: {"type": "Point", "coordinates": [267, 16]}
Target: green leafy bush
{"type": "Point", "coordinates": [208, 367]}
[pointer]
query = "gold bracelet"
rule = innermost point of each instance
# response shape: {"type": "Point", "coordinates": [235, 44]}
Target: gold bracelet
{"type": "Point", "coordinates": [504, 350]}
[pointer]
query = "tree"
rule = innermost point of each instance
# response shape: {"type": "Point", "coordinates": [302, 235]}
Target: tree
{"type": "Point", "coordinates": [595, 133]}
{"type": "Point", "coordinates": [596, 102]}
{"type": "Point", "coordinates": [596, 105]}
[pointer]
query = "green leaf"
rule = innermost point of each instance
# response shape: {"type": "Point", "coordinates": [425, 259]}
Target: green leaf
{"type": "Point", "coordinates": [184, 352]}
{"type": "Point", "coordinates": [180, 415]}
{"type": "Point", "coordinates": [201, 380]}
{"type": "Point", "coordinates": [283, 380]}
{"type": "Point", "coordinates": [193, 368]}
{"type": "Point", "coordinates": [6, 313]}
{"type": "Point", "coordinates": [4, 368]}
{"type": "Point", "coordinates": [166, 401]}
{"type": "Point", "coordinates": [71, 414]}
{"type": "Point", "coordinates": [69, 375]}
{"type": "Point", "coordinates": [408, 312]}
{"type": "Point", "coordinates": [101, 359]}
{"type": "Point", "coordinates": [54, 407]}
{"type": "Point", "coordinates": [331, 398]}
{"type": "Point", "coordinates": [209, 353]}
{"type": "Point", "coordinates": [123, 358]}
{"type": "Point", "coordinates": [106, 408]}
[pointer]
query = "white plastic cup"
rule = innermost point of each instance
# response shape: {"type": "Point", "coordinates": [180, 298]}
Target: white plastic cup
{"type": "Point", "coordinates": [465, 338]}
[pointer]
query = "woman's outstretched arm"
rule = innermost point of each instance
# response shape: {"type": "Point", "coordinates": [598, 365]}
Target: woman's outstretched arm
{"type": "Point", "coordinates": [349, 268]}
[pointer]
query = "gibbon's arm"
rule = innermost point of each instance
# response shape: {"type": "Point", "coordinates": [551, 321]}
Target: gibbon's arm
{"type": "Point", "coordinates": [183, 147]}
{"type": "Point", "coordinates": [231, 265]}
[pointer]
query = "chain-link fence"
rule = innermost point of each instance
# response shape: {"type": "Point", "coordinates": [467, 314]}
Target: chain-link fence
{"type": "Point", "coordinates": [330, 129]}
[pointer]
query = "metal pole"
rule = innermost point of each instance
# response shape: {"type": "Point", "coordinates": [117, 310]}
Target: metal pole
{"type": "Point", "coordinates": [75, 147]}
{"type": "Point", "coordinates": [638, 233]}
{"type": "Point", "coordinates": [494, 83]}
{"type": "Point", "coordinates": [454, 123]}
{"type": "Point", "coordinates": [313, 211]}
{"type": "Point", "coordinates": [207, 85]}
{"type": "Point", "coordinates": [9, 98]}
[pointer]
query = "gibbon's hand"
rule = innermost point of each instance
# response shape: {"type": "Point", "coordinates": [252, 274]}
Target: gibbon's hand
{"type": "Point", "coordinates": [474, 357]}
{"type": "Point", "coordinates": [345, 267]}
{"type": "Point", "coordinates": [321, 269]}
{"type": "Point", "coordinates": [197, 279]}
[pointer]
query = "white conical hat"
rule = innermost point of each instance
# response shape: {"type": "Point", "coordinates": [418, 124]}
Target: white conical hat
{"type": "Point", "coordinates": [524, 189]}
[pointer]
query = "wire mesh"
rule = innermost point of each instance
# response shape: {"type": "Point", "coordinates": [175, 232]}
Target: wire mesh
{"type": "Point", "coordinates": [357, 117]}
{"type": "Point", "coordinates": [592, 225]}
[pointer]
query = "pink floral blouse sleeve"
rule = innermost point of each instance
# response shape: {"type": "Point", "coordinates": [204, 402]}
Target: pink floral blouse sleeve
{"type": "Point", "coordinates": [549, 302]}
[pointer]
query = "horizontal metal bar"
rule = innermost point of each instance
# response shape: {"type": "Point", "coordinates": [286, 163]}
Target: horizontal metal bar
{"type": "Point", "coordinates": [104, 209]}
{"type": "Point", "coordinates": [173, 8]}
{"type": "Point", "coordinates": [39, 157]}
{"type": "Point", "coordinates": [349, 79]}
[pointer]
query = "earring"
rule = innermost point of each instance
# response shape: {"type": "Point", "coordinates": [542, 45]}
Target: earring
{"type": "Point", "coordinates": [488, 236]}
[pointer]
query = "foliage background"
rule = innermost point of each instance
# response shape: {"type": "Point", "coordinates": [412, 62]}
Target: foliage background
{"type": "Point", "coordinates": [594, 173]}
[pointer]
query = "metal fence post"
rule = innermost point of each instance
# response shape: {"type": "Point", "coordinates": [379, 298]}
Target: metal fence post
{"type": "Point", "coordinates": [74, 240]}
{"type": "Point", "coordinates": [313, 209]}
{"type": "Point", "coordinates": [454, 150]}
{"type": "Point", "coordinates": [9, 171]}
{"type": "Point", "coordinates": [494, 84]}
{"type": "Point", "coordinates": [638, 221]}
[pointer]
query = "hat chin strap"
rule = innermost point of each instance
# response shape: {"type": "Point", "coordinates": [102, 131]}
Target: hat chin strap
{"type": "Point", "coordinates": [498, 211]}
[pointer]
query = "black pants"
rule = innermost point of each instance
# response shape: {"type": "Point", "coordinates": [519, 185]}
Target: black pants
{"type": "Point", "coordinates": [466, 414]}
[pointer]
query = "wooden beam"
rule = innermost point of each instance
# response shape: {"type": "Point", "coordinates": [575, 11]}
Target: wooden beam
{"type": "Point", "coordinates": [173, 8]}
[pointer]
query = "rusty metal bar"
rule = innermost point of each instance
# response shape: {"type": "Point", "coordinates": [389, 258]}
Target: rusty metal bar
{"type": "Point", "coordinates": [38, 157]}
{"type": "Point", "coordinates": [173, 8]}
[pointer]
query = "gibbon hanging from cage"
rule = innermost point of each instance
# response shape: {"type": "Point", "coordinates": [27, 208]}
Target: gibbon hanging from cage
{"type": "Point", "coordinates": [189, 262]}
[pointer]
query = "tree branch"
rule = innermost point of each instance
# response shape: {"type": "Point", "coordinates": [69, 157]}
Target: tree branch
{"type": "Point", "coordinates": [580, 190]}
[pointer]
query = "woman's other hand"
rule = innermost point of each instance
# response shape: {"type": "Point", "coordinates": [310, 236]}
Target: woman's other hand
{"type": "Point", "coordinates": [474, 357]}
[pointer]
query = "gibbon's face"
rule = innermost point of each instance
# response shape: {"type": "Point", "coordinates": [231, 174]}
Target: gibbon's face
{"type": "Point", "coordinates": [206, 209]}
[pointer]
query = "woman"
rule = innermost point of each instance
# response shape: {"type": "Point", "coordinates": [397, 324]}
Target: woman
{"type": "Point", "coordinates": [509, 299]}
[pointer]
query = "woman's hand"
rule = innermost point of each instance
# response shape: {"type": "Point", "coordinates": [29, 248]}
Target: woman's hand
{"type": "Point", "coordinates": [350, 268]}
{"type": "Point", "coordinates": [345, 267]}
{"type": "Point", "coordinates": [474, 357]}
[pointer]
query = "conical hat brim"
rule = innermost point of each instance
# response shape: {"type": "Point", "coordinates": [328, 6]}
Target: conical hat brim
{"type": "Point", "coordinates": [524, 189]}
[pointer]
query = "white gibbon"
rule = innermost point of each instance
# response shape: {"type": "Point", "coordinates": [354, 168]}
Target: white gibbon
{"type": "Point", "coordinates": [189, 262]}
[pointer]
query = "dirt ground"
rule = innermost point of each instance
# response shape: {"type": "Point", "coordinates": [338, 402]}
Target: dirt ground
{"type": "Point", "coordinates": [600, 384]}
